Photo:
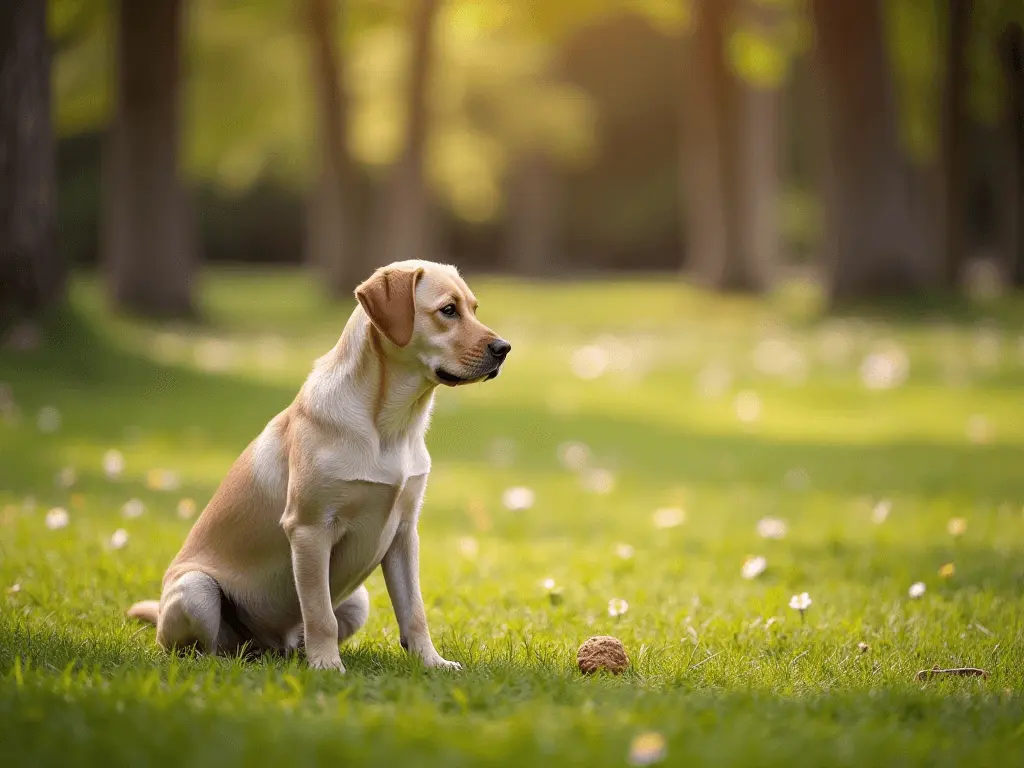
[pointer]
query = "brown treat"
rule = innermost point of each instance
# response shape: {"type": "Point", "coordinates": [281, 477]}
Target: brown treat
{"type": "Point", "coordinates": [602, 652]}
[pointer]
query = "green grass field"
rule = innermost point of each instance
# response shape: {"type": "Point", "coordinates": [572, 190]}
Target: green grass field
{"type": "Point", "coordinates": [619, 400]}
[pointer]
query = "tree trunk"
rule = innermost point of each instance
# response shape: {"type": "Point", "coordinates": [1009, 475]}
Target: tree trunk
{"type": "Point", "coordinates": [707, 157]}
{"type": "Point", "coordinates": [405, 229]}
{"type": "Point", "coordinates": [1013, 225]}
{"type": "Point", "coordinates": [532, 217]}
{"type": "Point", "coordinates": [148, 243]}
{"type": "Point", "coordinates": [876, 244]}
{"type": "Point", "coordinates": [729, 164]}
{"type": "Point", "coordinates": [952, 219]}
{"type": "Point", "coordinates": [32, 273]}
{"type": "Point", "coordinates": [332, 241]}
{"type": "Point", "coordinates": [759, 144]}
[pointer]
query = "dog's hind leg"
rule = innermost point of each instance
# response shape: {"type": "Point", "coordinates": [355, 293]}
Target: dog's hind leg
{"type": "Point", "coordinates": [352, 613]}
{"type": "Point", "coordinates": [190, 614]}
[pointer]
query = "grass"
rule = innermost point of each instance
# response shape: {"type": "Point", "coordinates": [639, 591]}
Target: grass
{"type": "Point", "coordinates": [722, 668]}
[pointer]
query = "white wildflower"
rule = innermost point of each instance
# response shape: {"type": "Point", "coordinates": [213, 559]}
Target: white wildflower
{"type": "Point", "coordinates": [57, 518]}
{"type": "Point", "coordinates": [669, 517]}
{"type": "Point", "coordinates": [617, 607]}
{"type": "Point", "coordinates": [772, 528]}
{"type": "Point", "coordinates": [518, 498]}
{"type": "Point", "coordinates": [753, 567]}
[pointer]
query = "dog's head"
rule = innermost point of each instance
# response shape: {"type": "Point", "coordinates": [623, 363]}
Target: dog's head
{"type": "Point", "coordinates": [427, 314]}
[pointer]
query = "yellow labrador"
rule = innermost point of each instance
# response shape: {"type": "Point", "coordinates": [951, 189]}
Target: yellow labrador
{"type": "Point", "coordinates": [333, 485]}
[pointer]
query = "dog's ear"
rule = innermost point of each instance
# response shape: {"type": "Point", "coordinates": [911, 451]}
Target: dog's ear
{"type": "Point", "coordinates": [389, 299]}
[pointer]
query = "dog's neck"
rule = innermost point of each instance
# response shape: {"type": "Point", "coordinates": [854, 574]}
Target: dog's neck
{"type": "Point", "coordinates": [357, 381]}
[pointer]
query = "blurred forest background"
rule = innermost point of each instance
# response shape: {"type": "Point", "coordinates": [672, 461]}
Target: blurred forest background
{"type": "Point", "coordinates": [876, 145]}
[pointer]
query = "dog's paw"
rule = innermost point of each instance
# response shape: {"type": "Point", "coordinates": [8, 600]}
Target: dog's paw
{"type": "Point", "coordinates": [326, 662]}
{"type": "Point", "coordinates": [437, 662]}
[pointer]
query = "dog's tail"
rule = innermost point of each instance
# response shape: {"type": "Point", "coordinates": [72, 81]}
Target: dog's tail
{"type": "Point", "coordinates": [147, 610]}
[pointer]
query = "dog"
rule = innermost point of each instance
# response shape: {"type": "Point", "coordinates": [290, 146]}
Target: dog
{"type": "Point", "coordinates": [333, 486]}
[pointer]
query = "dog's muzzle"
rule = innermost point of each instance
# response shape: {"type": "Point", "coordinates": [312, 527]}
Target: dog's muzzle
{"type": "Point", "coordinates": [497, 350]}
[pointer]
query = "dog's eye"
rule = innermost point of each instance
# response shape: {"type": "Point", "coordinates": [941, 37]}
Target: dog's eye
{"type": "Point", "coordinates": [449, 310]}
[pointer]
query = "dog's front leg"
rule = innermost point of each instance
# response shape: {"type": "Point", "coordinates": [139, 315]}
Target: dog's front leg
{"type": "Point", "coordinates": [401, 568]}
{"type": "Point", "coordinates": [311, 565]}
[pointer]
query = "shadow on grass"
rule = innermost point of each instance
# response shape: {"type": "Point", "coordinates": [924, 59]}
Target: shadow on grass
{"type": "Point", "coordinates": [103, 390]}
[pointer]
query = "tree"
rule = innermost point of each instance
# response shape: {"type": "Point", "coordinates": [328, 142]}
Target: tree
{"type": "Point", "coordinates": [32, 274]}
{"type": "Point", "coordinates": [532, 214]}
{"type": "Point", "coordinates": [730, 148]}
{"type": "Point", "coordinates": [148, 244]}
{"type": "Point", "coordinates": [333, 245]}
{"type": "Point", "coordinates": [954, 161]}
{"type": "Point", "coordinates": [1012, 49]}
{"type": "Point", "coordinates": [876, 246]}
{"type": "Point", "coordinates": [404, 229]}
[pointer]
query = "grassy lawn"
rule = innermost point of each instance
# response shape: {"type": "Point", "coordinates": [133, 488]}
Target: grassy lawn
{"type": "Point", "coordinates": [656, 428]}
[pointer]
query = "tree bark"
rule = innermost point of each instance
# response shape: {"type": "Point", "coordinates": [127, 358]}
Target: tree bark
{"type": "Point", "coordinates": [149, 246]}
{"type": "Point", "coordinates": [759, 144]}
{"type": "Point", "coordinates": [877, 245]}
{"type": "Point", "coordinates": [332, 239]}
{"type": "Point", "coordinates": [405, 229]}
{"type": "Point", "coordinates": [730, 163]}
{"type": "Point", "coordinates": [532, 216]}
{"type": "Point", "coordinates": [707, 157]}
{"type": "Point", "coordinates": [1012, 46]}
{"type": "Point", "coordinates": [32, 274]}
{"type": "Point", "coordinates": [952, 219]}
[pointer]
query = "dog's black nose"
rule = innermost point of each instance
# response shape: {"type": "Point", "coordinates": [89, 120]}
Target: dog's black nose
{"type": "Point", "coordinates": [499, 348]}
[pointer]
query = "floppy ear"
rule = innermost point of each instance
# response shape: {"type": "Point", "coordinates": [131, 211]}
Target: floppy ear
{"type": "Point", "coordinates": [389, 299]}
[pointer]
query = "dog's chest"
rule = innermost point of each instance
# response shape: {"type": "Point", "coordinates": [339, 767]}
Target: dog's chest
{"type": "Point", "coordinates": [368, 528]}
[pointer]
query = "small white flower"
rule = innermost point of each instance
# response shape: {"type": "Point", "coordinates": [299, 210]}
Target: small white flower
{"type": "Point", "coordinates": [554, 591]}
{"type": "Point", "coordinates": [669, 517]}
{"type": "Point", "coordinates": [753, 567]}
{"type": "Point", "coordinates": [599, 481]}
{"type": "Point", "coordinates": [885, 368]}
{"type": "Point", "coordinates": [589, 362]}
{"type": "Point", "coordinates": [57, 518]}
{"type": "Point", "coordinates": [957, 526]}
{"type": "Point", "coordinates": [119, 539]}
{"type": "Point", "coordinates": [800, 602]}
{"type": "Point", "coordinates": [113, 464]}
{"type": "Point", "coordinates": [647, 749]}
{"type": "Point", "coordinates": [771, 528]}
{"type": "Point", "coordinates": [133, 508]}
{"type": "Point", "coordinates": [574, 456]}
{"type": "Point", "coordinates": [14, 589]}
{"type": "Point", "coordinates": [748, 407]}
{"type": "Point", "coordinates": [917, 589]}
{"type": "Point", "coordinates": [468, 547]}
{"type": "Point", "coordinates": [518, 498]}
{"type": "Point", "coordinates": [880, 512]}
{"type": "Point", "coordinates": [617, 606]}
{"type": "Point", "coordinates": [624, 551]}
{"type": "Point", "coordinates": [48, 419]}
